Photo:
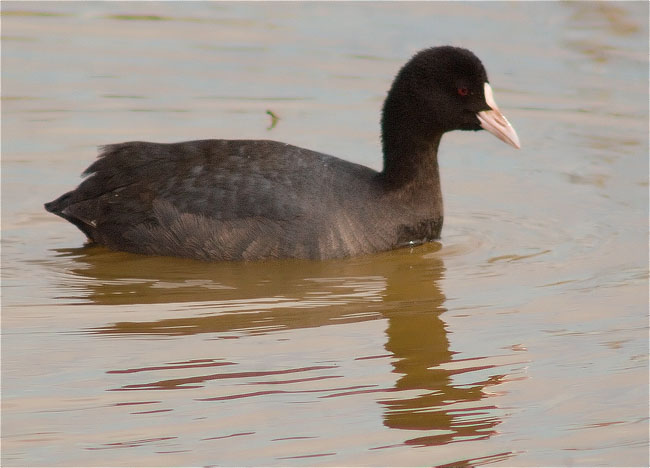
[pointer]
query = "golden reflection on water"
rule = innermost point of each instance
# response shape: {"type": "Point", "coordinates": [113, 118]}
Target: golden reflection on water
{"type": "Point", "coordinates": [231, 299]}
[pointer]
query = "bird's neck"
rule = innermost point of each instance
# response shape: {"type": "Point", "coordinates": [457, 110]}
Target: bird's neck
{"type": "Point", "coordinates": [411, 181]}
{"type": "Point", "coordinates": [410, 143]}
{"type": "Point", "coordinates": [411, 164]}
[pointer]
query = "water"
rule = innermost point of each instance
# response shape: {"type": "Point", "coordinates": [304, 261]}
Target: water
{"type": "Point", "coordinates": [519, 339]}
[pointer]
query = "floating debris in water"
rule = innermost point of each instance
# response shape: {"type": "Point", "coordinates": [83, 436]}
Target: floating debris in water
{"type": "Point", "coordinates": [274, 119]}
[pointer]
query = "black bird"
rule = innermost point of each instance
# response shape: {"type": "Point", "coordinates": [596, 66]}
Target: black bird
{"type": "Point", "coordinates": [258, 199]}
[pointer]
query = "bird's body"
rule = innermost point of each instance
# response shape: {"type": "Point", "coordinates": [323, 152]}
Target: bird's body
{"type": "Point", "coordinates": [257, 199]}
{"type": "Point", "coordinates": [212, 199]}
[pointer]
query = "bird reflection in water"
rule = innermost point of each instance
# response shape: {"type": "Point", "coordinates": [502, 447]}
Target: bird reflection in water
{"type": "Point", "coordinates": [401, 287]}
{"type": "Point", "coordinates": [418, 341]}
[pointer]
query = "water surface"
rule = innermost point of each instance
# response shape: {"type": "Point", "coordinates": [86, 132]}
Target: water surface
{"type": "Point", "coordinates": [519, 339]}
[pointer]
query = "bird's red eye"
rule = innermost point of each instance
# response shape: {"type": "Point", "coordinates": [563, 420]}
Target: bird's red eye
{"type": "Point", "coordinates": [463, 91]}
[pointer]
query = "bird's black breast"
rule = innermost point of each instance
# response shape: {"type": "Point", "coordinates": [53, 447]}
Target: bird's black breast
{"type": "Point", "coordinates": [419, 232]}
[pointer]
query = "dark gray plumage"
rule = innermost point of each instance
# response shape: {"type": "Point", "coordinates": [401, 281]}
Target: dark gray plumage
{"type": "Point", "coordinates": [255, 199]}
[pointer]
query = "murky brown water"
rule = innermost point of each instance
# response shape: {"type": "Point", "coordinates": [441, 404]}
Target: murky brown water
{"type": "Point", "coordinates": [520, 339]}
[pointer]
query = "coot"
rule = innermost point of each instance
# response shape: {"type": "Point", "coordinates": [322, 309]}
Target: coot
{"type": "Point", "coordinates": [258, 199]}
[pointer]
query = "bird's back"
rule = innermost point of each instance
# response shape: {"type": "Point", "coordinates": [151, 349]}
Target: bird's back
{"type": "Point", "coordinates": [222, 200]}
